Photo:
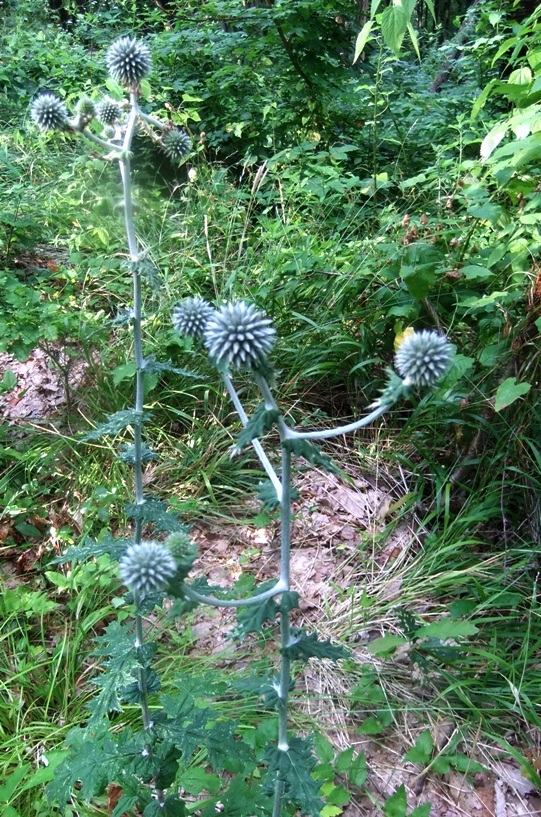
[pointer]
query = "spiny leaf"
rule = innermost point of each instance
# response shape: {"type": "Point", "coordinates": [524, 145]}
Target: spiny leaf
{"type": "Point", "coordinates": [155, 511]}
{"type": "Point", "coordinates": [304, 647]}
{"type": "Point", "coordinates": [127, 454]}
{"type": "Point", "coordinates": [251, 619]}
{"type": "Point", "coordinates": [87, 763]}
{"type": "Point", "coordinates": [116, 423]}
{"type": "Point", "coordinates": [150, 365]}
{"type": "Point", "coordinates": [241, 799]}
{"type": "Point", "coordinates": [124, 658]}
{"type": "Point", "coordinates": [294, 768]}
{"type": "Point", "coordinates": [260, 423]}
{"type": "Point", "coordinates": [264, 686]}
{"type": "Point", "coordinates": [90, 549]}
{"type": "Point", "coordinates": [310, 452]}
{"type": "Point", "coordinates": [173, 807]}
{"type": "Point", "coordinates": [266, 493]}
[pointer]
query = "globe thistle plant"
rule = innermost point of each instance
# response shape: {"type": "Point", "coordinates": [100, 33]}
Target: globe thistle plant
{"type": "Point", "coordinates": [191, 316]}
{"type": "Point", "coordinates": [107, 112]}
{"type": "Point", "coordinates": [423, 357]}
{"type": "Point", "coordinates": [128, 61]}
{"type": "Point", "coordinates": [147, 567]}
{"type": "Point", "coordinates": [176, 144]}
{"type": "Point", "coordinates": [49, 112]}
{"type": "Point", "coordinates": [239, 336]}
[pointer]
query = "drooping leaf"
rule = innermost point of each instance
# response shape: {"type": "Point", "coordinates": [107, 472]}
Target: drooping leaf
{"type": "Point", "coordinates": [116, 423]}
{"type": "Point", "coordinates": [259, 424]}
{"type": "Point", "coordinates": [394, 22]}
{"type": "Point", "coordinates": [294, 768]}
{"type": "Point", "coordinates": [302, 646]}
{"type": "Point", "coordinates": [87, 763]}
{"type": "Point", "coordinates": [362, 38]}
{"type": "Point", "coordinates": [311, 452]}
{"type": "Point", "coordinates": [264, 686]}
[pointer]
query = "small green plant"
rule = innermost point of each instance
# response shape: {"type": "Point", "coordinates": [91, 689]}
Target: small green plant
{"type": "Point", "coordinates": [275, 776]}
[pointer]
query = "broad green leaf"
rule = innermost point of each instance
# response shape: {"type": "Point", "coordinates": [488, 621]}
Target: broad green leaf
{"type": "Point", "coordinates": [358, 771]}
{"type": "Point", "coordinates": [421, 811]}
{"type": "Point", "coordinates": [124, 372]}
{"type": "Point", "coordinates": [385, 644]}
{"type": "Point", "coordinates": [397, 804]}
{"type": "Point", "coordinates": [509, 391]}
{"type": "Point", "coordinates": [422, 751]}
{"type": "Point", "coordinates": [374, 8]}
{"type": "Point", "coordinates": [9, 381]}
{"type": "Point", "coordinates": [520, 76]}
{"type": "Point", "coordinates": [362, 38]}
{"type": "Point", "coordinates": [413, 36]}
{"type": "Point", "coordinates": [473, 272]}
{"type": "Point", "coordinates": [480, 102]}
{"type": "Point", "coordinates": [493, 139]}
{"type": "Point", "coordinates": [447, 628]}
{"type": "Point", "coordinates": [394, 23]}
{"type": "Point", "coordinates": [11, 782]}
{"type": "Point", "coordinates": [487, 211]}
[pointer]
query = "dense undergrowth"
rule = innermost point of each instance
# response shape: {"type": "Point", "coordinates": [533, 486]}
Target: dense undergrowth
{"type": "Point", "coordinates": [349, 210]}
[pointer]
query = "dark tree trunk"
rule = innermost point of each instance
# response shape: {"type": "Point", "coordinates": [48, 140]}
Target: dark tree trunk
{"type": "Point", "coordinates": [463, 35]}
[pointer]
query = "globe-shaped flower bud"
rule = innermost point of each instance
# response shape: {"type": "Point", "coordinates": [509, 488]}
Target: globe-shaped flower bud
{"type": "Point", "coordinates": [128, 61]}
{"type": "Point", "coordinates": [239, 335]}
{"type": "Point", "coordinates": [86, 109]}
{"type": "Point", "coordinates": [147, 567]}
{"type": "Point", "coordinates": [423, 357]}
{"type": "Point", "coordinates": [49, 112]}
{"type": "Point", "coordinates": [176, 144]}
{"type": "Point", "coordinates": [179, 543]}
{"type": "Point", "coordinates": [191, 316]}
{"type": "Point", "coordinates": [107, 112]}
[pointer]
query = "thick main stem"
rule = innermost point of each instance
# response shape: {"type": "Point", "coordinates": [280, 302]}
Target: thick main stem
{"type": "Point", "coordinates": [125, 172]}
{"type": "Point", "coordinates": [285, 629]}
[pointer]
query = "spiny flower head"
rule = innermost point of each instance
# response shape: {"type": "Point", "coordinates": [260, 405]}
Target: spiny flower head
{"type": "Point", "coordinates": [49, 112]}
{"type": "Point", "coordinates": [147, 567]}
{"type": "Point", "coordinates": [128, 61]}
{"type": "Point", "coordinates": [191, 316]}
{"type": "Point", "coordinates": [86, 110]}
{"type": "Point", "coordinates": [423, 357]}
{"type": "Point", "coordinates": [239, 335]}
{"type": "Point", "coordinates": [107, 111]}
{"type": "Point", "coordinates": [176, 144]}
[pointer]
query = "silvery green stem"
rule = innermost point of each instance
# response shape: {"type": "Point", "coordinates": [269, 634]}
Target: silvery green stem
{"type": "Point", "coordinates": [288, 433]}
{"type": "Point", "coordinates": [101, 142]}
{"type": "Point", "coordinates": [278, 588]}
{"type": "Point", "coordinates": [258, 448]}
{"type": "Point", "coordinates": [335, 432]}
{"type": "Point", "coordinates": [125, 172]}
{"type": "Point", "coordinates": [125, 169]}
{"type": "Point", "coordinates": [151, 121]}
{"type": "Point", "coordinates": [285, 634]}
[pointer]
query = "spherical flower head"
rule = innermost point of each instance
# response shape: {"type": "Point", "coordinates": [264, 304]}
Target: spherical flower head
{"type": "Point", "coordinates": [176, 144]}
{"type": "Point", "coordinates": [49, 112]}
{"type": "Point", "coordinates": [191, 316]}
{"type": "Point", "coordinates": [179, 543]}
{"type": "Point", "coordinates": [86, 109]}
{"type": "Point", "coordinates": [423, 357]}
{"type": "Point", "coordinates": [128, 61]}
{"type": "Point", "coordinates": [107, 112]}
{"type": "Point", "coordinates": [239, 336]}
{"type": "Point", "coordinates": [147, 567]}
